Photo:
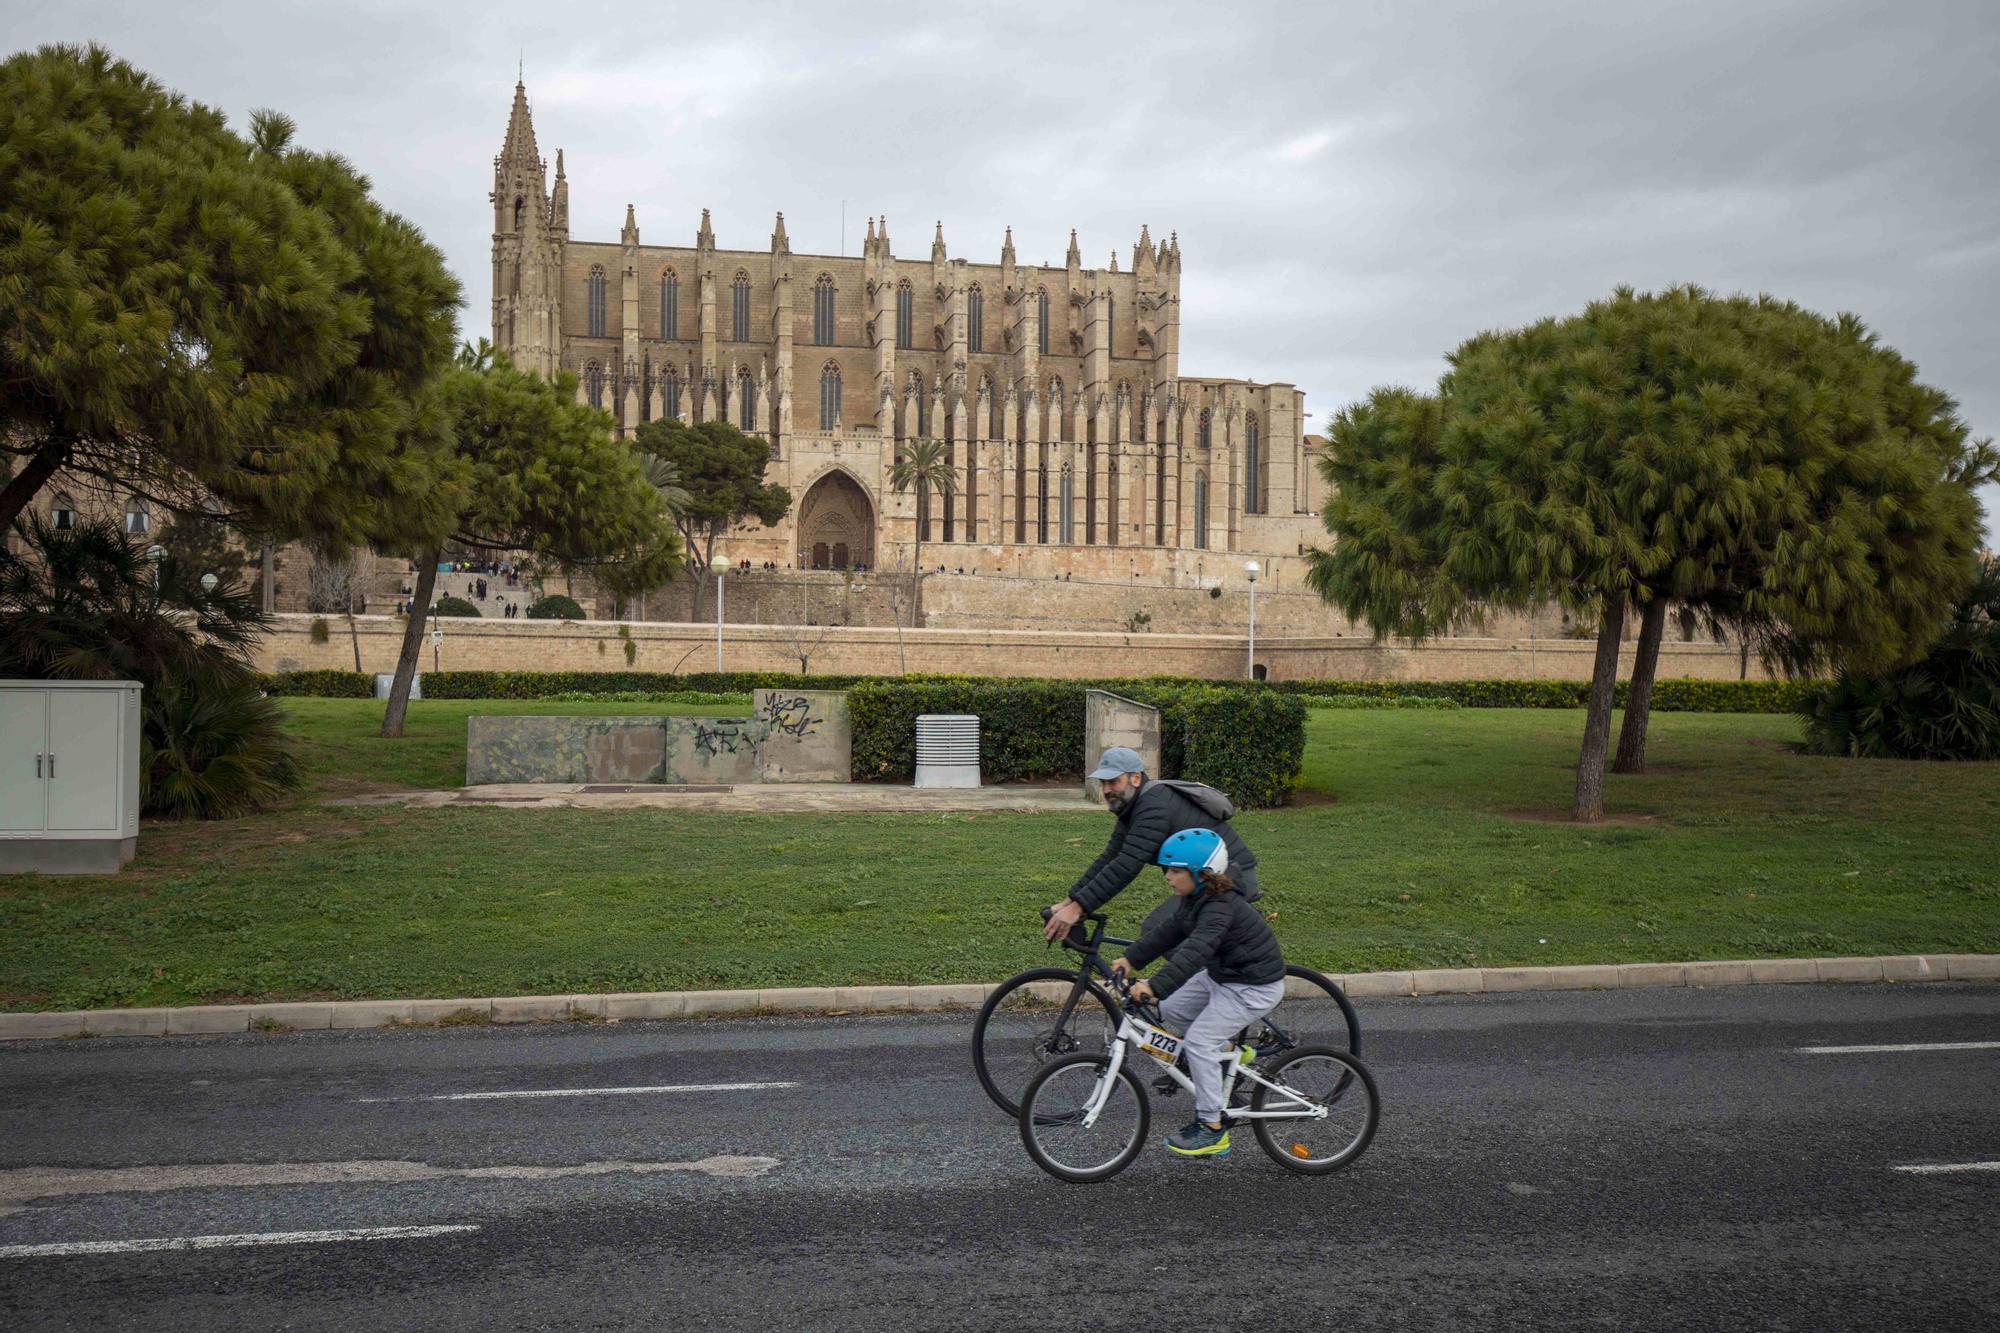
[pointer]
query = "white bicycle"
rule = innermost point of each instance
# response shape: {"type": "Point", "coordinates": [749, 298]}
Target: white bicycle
{"type": "Point", "coordinates": [1085, 1116]}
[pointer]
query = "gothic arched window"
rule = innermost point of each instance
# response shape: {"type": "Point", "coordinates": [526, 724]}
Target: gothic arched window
{"type": "Point", "coordinates": [746, 402]}
{"type": "Point", "coordinates": [595, 303]}
{"type": "Point", "coordinates": [670, 304]}
{"type": "Point", "coordinates": [1203, 433]}
{"type": "Point", "coordinates": [996, 415]}
{"type": "Point", "coordinates": [1066, 516]}
{"type": "Point", "coordinates": [975, 319]}
{"type": "Point", "coordinates": [1201, 509]}
{"type": "Point", "coordinates": [138, 521]}
{"type": "Point", "coordinates": [1056, 408]}
{"type": "Point", "coordinates": [1042, 320]}
{"type": "Point", "coordinates": [62, 515]}
{"type": "Point", "coordinates": [905, 318]}
{"type": "Point", "coordinates": [829, 397]}
{"type": "Point", "coordinates": [823, 310]}
{"type": "Point", "coordinates": [670, 393]}
{"type": "Point", "coordinates": [593, 384]}
{"type": "Point", "coordinates": [739, 308]}
{"type": "Point", "coordinates": [920, 417]}
{"type": "Point", "coordinates": [1253, 468]}
{"type": "Point", "coordinates": [520, 212]}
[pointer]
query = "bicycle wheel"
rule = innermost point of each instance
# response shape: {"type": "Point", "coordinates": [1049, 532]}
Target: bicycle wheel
{"type": "Point", "coordinates": [1019, 1030]}
{"type": "Point", "coordinates": [1321, 1077]}
{"type": "Point", "coordinates": [1052, 1114]}
{"type": "Point", "coordinates": [1322, 1016]}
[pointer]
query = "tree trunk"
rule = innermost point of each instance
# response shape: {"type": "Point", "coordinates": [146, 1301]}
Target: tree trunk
{"type": "Point", "coordinates": [354, 634]}
{"type": "Point", "coordinates": [1588, 805]}
{"type": "Point", "coordinates": [413, 644]}
{"type": "Point", "coordinates": [695, 577]}
{"type": "Point", "coordinates": [1639, 698]}
{"type": "Point", "coordinates": [23, 485]}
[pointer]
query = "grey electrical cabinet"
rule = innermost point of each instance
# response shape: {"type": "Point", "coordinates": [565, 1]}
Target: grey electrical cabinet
{"type": "Point", "coordinates": [69, 775]}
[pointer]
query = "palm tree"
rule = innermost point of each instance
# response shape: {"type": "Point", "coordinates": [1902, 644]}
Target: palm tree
{"type": "Point", "coordinates": [924, 466]}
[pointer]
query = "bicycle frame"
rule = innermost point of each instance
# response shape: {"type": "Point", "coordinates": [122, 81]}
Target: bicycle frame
{"type": "Point", "coordinates": [1128, 1037]}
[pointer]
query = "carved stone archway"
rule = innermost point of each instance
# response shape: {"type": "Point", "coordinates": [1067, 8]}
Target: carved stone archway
{"type": "Point", "coordinates": [836, 523]}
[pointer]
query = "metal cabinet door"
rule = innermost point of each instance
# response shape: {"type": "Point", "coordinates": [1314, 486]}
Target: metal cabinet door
{"type": "Point", "coordinates": [24, 726]}
{"type": "Point", "coordinates": [83, 757]}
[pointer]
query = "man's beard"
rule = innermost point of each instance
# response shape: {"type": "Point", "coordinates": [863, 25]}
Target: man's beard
{"type": "Point", "coordinates": [1117, 801]}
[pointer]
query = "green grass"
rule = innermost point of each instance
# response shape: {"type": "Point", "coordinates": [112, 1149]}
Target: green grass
{"type": "Point", "coordinates": [1415, 849]}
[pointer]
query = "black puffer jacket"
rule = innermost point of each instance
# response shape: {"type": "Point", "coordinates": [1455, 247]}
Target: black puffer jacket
{"type": "Point", "coordinates": [1149, 819]}
{"type": "Point", "coordinates": [1218, 931]}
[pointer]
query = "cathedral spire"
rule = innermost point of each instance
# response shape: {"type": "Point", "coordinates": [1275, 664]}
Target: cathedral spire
{"type": "Point", "coordinates": [1007, 248]}
{"type": "Point", "coordinates": [937, 244]}
{"type": "Point", "coordinates": [1075, 257]}
{"type": "Point", "coordinates": [520, 146]}
{"type": "Point", "coordinates": [1114, 261]}
{"type": "Point", "coordinates": [781, 244]}
{"type": "Point", "coordinates": [630, 235]}
{"type": "Point", "coordinates": [705, 238]}
{"type": "Point", "coordinates": [868, 246]}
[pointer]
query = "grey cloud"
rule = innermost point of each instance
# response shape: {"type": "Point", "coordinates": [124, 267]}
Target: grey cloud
{"type": "Point", "coordinates": [1357, 186]}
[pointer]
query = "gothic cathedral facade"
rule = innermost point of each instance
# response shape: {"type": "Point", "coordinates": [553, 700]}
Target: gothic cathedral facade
{"type": "Point", "coordinates": [1078, 446]}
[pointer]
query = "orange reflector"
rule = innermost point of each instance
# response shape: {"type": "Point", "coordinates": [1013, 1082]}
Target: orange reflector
{"type": "Point", "coordinates": [1300, 1150]}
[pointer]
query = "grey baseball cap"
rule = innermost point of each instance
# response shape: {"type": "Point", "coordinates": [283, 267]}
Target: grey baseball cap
{"type": "Point", "coordinates": [1116, 762]}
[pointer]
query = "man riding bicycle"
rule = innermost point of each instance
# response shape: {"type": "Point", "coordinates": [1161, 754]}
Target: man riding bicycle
{"type": "Point", "coordinates": [1149, 811]}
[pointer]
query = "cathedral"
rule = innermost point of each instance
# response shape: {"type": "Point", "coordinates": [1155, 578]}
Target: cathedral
{"type": "Point", "coordinates": [1079, 447]}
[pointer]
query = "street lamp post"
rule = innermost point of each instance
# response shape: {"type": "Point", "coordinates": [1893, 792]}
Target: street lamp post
{"type": "Point", "coordinates": [718, 620]}
{"type": "Point", "coordinates": [1250, 569]}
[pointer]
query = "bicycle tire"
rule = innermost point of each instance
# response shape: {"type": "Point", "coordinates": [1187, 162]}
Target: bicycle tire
{"type": "Point", "coordinates": [991, 1065]}
{"type": "Point", "coordinates": [1292, 1154]}
{"type": "Point", "coordinates": [1030, 1122]}
{"type": "Point", "coordinates": [1349, 1040]}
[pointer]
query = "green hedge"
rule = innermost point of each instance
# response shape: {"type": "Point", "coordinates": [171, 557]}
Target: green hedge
{"type": "Point", "coordinates": [318, 684]}
{"type": "Point", "coordinates": [555, 606]}
{"type": "Point", "coordinates": [454, 606]}
{"type": "Point", "coordinates": [1352, 702]}
{"type": "Point", "coordinates": [1248, 742]}
{"type": "Point", "coordinates": [1669, 696]}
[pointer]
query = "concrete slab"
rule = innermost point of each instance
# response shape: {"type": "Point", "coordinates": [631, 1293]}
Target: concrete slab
{"type": "Point", "coordinates": [752, 798]}
{"type": "Point", "coordinates": [1850, 969]}
{"type": "Point", "coordinates": [1971, 966]}
{"type": "Point", "coordinates": [199, 1018]}
{"type": "Point", "coordinates": [784, 998]}
{"type": "Point", "coordinates": [309, 1017]}
{"type": "Point", "coordinates": [126, 1023]}
{"type": "Point", "coordinates": [437, 1011]}
{"type": "Point", "coordinates": [531, 1008]}
{"type": "Point", "coordinates": [1637, 975]}
{"type": "Point", "coordinates": [1718, 974]}
{"type": "Point", "coordinates": [1448, 981]}
{"type": "Point", "coordinates": [1771, 971]}
{"type": "Point", "coordinates": [696, 1003]}
{"type": "Point", "coordinates": [808, 736]}
{"type": "Point", "coordinates": [969, 996]}
{"type": "Point", "coordinates": [23, 1026]}
{"type": "Point", "coordinates": [372, 1013]}
{"type": "Point", "coordinates": [1912, 967]}
{"type": "Point", "coordinates": [1377, 984]}
{"type": "Point", "coordinates": [646, 1004]}
{"type": "Point", "coordinates": [872, 997]}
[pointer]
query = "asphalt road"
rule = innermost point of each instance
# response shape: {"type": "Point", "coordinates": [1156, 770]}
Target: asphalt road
{"type": "Point", "coordinates": [1636, 1159]}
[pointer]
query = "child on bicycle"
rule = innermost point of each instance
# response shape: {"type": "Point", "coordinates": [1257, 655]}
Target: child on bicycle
{"type": "Point", "coordinates": [1224, 974]}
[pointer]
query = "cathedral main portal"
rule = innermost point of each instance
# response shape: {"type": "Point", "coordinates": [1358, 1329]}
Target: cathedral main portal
{"type": "Point", "coordinates": [836, 524]}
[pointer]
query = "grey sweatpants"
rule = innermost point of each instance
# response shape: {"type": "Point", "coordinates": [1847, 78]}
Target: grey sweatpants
{"type": "Point", "coordinates": [1208, 1014]}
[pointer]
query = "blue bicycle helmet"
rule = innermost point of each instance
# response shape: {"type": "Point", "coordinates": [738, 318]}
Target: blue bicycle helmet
{"type": "Point", "coordinates": [1195, 849]}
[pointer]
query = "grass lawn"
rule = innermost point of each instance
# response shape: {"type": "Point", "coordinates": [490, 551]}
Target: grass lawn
{"type": "Point", "coordinates": [1425, 840]}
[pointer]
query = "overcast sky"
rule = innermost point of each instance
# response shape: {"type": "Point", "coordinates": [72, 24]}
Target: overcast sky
{"type": "Point", "coordinates": [1358, 186]}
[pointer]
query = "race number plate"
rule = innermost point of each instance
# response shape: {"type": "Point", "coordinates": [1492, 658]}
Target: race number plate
{"type": "Point", "coordinates": [1162, 1045]}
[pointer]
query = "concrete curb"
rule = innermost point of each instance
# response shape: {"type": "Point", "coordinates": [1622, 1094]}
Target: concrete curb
{"type": "Point", "coordinates": [329, 1014]}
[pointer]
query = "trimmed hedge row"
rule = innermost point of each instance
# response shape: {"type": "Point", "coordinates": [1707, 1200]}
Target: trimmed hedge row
{"type": "Point", "coordinates": [318, 684]}
{"type": "Point", "coordinates": [1669, 696]}
{"type": "Point", "coordinates": [1248, 742]}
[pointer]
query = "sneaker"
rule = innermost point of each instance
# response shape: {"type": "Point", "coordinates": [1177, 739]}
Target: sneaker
{"type": "Point", "coordinates": [1198, 1140]}
{"type": "Point", "coordinates": [1165, 1086]}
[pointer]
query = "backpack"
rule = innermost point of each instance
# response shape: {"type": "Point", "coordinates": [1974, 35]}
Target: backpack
{"type": "Point", "coordinates": [1210, 801]}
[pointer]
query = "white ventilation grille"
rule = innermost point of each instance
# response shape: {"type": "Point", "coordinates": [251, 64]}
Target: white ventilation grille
{"type": "Point", "coordinates": [948, 750]}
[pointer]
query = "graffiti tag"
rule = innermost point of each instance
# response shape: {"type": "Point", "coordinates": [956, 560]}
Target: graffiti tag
{"type": "Point", "coordinates": [790, 716]}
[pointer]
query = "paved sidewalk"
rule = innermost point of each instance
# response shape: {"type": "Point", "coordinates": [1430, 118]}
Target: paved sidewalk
{"type": "Point", "coordinates": [745, 798]}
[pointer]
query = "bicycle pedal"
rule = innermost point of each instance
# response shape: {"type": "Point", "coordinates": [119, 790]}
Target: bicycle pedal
{"type": "Point", "coordinates": [1165, 1086]}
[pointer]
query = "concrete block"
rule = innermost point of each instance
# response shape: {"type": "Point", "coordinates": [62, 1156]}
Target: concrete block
{"type": "Point", "coordinates": [872, 997]}
{"type": "Point", "coordinates": [371, 1013]}
{"type": "Point", "coordinates": [1771, 971]}
{"type": "Point", "coordinates": [310, 1017]}
{"type": "Point", "coordinates": [969, 996]}
{"type": "Point", "coordinates": [198, 1018]}
{"type": "Point", "coordinates": [1359, 985]}
{"type": "Point", "coordinates": [646, 1004]}
{"type": "Point", "coordinates": [587, 1004]}
{"type": "Point", "coordinates": [698, 1003]}
{"type": "Point", "coordinates": [435, 1011]}
{"type": "Point", "coordinates": [797, 998]}
{"type": "Point", "coordinates": [1520, 978]}
{"type": "Point", "coordinates": [1850, 969]}
{"type": "Point", "coordinates": [530, 1008]}
{"type": "Point", "coordinates": [1912, 967]}
{"type": "Point", "coordinates": [1638, 975]}
{"type": "Point", "coordinates": [1718, 974]}
{"type": "Point", "coordinates": [1299, 987]}
{"type": "Point", "coordinates": [19, 1027]}
{"type": "Point", "coordinates": [125, 1022]}
{"type": "Point", "coordinates": [1971, 966]}
{"type": "Point", "coordinates": [1571, 976]}
{"type": "Point", "coordinates": [1447, 981]}
{"type": "Point", "coordinates": [807, 736]}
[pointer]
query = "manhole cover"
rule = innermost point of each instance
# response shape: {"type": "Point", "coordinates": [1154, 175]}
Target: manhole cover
{"type": "Point", "coordinates": [652, 787]}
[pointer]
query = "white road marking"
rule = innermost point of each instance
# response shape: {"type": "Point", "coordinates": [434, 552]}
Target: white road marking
{"type": "Point", "coordinates": [583, 1092]}
{"type": "Point", "coordinates": [155, 1244]}
{"type": "Point", "coordinates": [1943, 1168]}
{"type": "Point", "coordinates": [1912, 1046]}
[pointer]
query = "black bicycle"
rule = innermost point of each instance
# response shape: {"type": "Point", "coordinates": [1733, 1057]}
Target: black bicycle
{"type": "Point", "coordinates": [1047, 1013]}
